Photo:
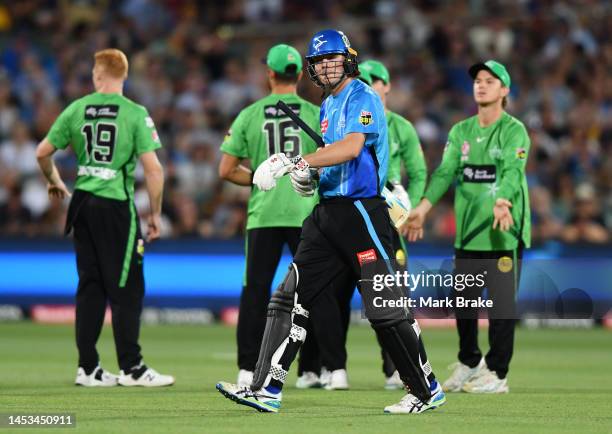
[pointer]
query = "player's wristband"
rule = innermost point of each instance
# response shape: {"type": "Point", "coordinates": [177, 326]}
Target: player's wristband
{"type": "Point", "coordinates": [299, 163]}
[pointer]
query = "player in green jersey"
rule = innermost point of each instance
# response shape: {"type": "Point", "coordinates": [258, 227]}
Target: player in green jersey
{"type": "Point", "coordinates": [404, 147]}
{"type": "Point", "coordinates": [108, 134]}
{"type": "Point", "coordinates": [275, 217]}
{"type": "Point", "coordinates": [486, 156]}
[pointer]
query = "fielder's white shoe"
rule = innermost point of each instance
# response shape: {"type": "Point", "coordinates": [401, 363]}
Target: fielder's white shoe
{"type": "Point", "coordinates": [338, 380]}
{"type": "Point", "coordinates": [245, 378]}
{"type": "Point", "coordinates": [394, 382]}
{"type": "Point", "coordinates": [144, 376]}
{"type": "Point", "coordinates": [98, 378]}
{"type": "Point", "coordinates": [308, 380]}
{"type": "Point", "coordinates": [325, 377]}
{"type": "Point", "coordinates": [411, 404]}
{"type": "Point", "coordinates": [486, 382]}
{"type": "Point", "coordinates": [260, 400]}
{"type": "Point", "coordinates": [461, 375]}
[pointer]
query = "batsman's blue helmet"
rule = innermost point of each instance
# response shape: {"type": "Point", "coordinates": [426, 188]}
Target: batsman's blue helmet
{"type": "Point", "coordinates": [330, 41]}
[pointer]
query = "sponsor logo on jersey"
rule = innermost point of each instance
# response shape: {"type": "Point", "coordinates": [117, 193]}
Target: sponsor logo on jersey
{"type": "Point", "coordinates": [366, 256]}
{"type": "Point", "coordinates": [365, 118]}
{"type": "Point", "coordinates": [504, 264]}
{"type": "Point", "coordinates": [479, 173]}
{"type": "Point", "coordinates": [324, 125]}
{"type": "Point", "coordinates": [272, 112]}
{"type": "Point", "coordinates": [521, 153]}
{"type": "Point", "coordinates": [149, 122]}
{"type": "Point", "coordinates": [480, 139]}
{"type": "Point", "coordinates": [109, 111]}
{"type": "Point", "coordinates": [155, 136]}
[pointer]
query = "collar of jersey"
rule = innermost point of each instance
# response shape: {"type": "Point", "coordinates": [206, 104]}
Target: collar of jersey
{"type": "Point", "coordinates": [345, 90]}
{"type": "Point", "coordinates": [490, 127]}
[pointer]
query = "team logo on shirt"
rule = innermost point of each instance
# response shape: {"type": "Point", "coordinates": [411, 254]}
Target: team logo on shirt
{"type": "Point", "coordinates": [521, 153]}
{"type": "Point", "coordinates": [155, 136]}
{"type": "Point", "coordinates": [365, 118]}
{"type": "Point", "coordinates": [495, 153]}
{"type": "Point", "coordinates": [324, 125]}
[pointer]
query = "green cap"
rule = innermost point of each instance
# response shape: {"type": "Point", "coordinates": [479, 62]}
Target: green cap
{"type": "Point", "coordinates": [376, 70]}
{"type": "Point", "coordinates": [281, 56]}
{"type": "Point", "coordinates": [495, 68]}
{"type": "Point", "coordinates": [364, 74]}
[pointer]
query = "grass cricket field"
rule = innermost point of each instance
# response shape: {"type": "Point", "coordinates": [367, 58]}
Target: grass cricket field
{"type": "Point", "coordinates": [560, 381]}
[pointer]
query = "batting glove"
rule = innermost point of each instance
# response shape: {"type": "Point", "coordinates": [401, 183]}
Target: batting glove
{"type": "Point", "coordinates": [270, 170]}
{"type": "Point", "coordinates": [399, 192]}
{"type": "Point", "coordinates": [304, 182]}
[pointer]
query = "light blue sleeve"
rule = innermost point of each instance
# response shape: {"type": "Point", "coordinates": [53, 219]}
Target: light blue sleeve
{"type": "Point", "coordinates": [364, 115]}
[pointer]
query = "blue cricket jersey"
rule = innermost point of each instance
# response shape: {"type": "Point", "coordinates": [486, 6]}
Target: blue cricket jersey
{"type": "Point", "coordinates": [357, 109]}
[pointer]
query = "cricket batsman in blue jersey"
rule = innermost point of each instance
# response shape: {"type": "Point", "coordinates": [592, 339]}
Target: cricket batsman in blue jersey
{"type": "Point", "coordinates": [349, 230]}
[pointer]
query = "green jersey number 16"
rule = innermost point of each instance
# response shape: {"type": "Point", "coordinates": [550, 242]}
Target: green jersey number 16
{"type": "Point", "coordinates": [283, 135]}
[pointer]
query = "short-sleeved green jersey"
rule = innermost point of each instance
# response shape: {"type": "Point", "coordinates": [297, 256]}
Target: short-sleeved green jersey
{"type": "Point", "coordinates": [107, 132]}
{"type": "Point", "coordinates": [261, 130]}
{"type": "Point", "coordinates": [487, 163]}
{"type": "Point", "coordinates": [404, 146]}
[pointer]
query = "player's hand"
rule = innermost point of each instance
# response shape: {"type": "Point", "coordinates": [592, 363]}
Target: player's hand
{"type": "Point", "coordinates": [153, 227]}
{"type": "Point", "coordinates": [270, 170]}
{"type": "Point", "coordinates": [58, 190]}
{"type": "Point", "coordinates": [502, 216]}
{"type": "Point", "coordinates": [404, 229]}
{"type": "Point", "coordinates": [416, 220]}
{"type": "Point", "coordinates": [303, 182]}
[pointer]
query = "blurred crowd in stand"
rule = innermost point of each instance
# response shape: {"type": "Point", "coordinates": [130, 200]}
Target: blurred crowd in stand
{"type": "Point", "coordinates": [195, 65]}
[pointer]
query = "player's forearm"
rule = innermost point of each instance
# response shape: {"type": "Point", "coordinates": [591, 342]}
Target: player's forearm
{"type": "Point", "coordinates": [154, 181]}
{"type": "Point", "coordinates": [337, 152]}
{"type": "Point", "coordinates": [439, 182]}
{"type": "Point", "coordinates": [239, 175]}
{"type": "Point", "coordinates": [416, 186]}
{"type": "Point", "coordinates": [49, 169]}
{"type": "Point", "coordinates": [394, 174]}
{"type": "Point", "coordinates": [510, 183]}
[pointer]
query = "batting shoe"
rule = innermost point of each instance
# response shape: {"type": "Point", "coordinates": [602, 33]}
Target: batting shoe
{"type": "Point", "coordinates": [245, 378]}
{"type": "Point", "coordinates": [486, 382]}
{"type": "Point", "coordinates": [411, 404]}
{"type": "Point", "coordinates": [461, 375]}
{"type": "Point", "coordinates": [142, 375]}
{"type": "Point", "coordinates": [338, 380]}
{"type": "Point", "coordinates": [394, 382]}
{"type": "Point", "coordinates": [308, 380]}
{"type": "Point", "coordinates": [261, 400]}
{"type": "Point", "coordinates": [98, 378]}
